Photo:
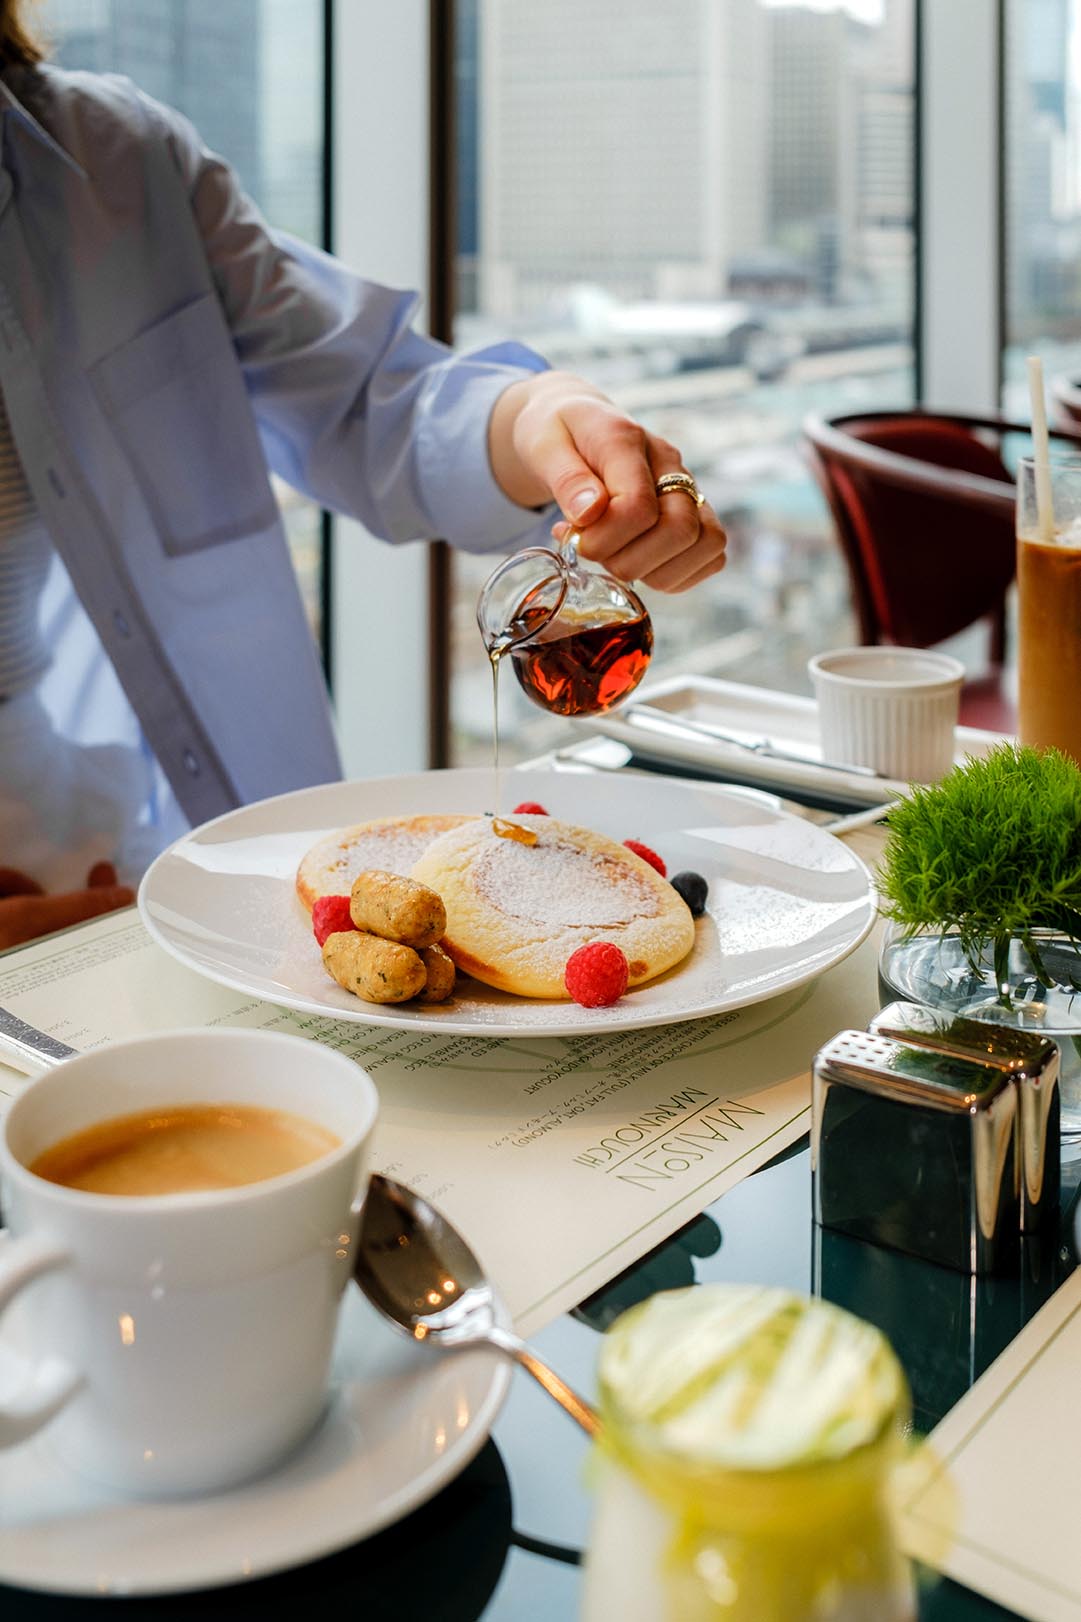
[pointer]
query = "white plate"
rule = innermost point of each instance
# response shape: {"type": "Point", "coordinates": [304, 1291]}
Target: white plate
{"type": "Point", "coordinates": [402, 1421]}
{"type": "Point", "coordinates": [787, 719]}
{"type": "Point", "coordinates": [786, 900]}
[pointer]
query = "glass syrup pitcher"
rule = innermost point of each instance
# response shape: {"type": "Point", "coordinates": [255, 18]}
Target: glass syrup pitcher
{"type": "Point", "coordinates": [579, 640]}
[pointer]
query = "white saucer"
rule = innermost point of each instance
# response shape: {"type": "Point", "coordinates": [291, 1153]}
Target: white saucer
{"type": "Point", "coordinates": [402, 1421]}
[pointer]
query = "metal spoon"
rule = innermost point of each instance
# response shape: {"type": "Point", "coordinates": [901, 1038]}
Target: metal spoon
{"type": "Point", "coordinates": [418, 1271]}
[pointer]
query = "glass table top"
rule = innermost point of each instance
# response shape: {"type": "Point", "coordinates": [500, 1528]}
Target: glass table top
{"type": "Point", "coordinates": [503, 1542]}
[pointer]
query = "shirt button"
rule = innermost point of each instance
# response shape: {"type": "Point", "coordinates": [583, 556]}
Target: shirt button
{"type": "Point", "coordinates": [122, 626]}
{"type": "Point", "coordinates": [191, 765]}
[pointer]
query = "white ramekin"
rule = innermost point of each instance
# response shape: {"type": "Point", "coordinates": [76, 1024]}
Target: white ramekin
{"type": "Point", "coordinates": [894, 709]}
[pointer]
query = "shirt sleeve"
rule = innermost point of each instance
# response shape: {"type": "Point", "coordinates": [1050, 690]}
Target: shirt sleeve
{"type": "Point", "coordinates": [355, 408]}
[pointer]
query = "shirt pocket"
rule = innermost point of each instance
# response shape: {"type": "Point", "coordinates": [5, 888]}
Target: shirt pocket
{"type": "Point", "coordinates": [176, 399]}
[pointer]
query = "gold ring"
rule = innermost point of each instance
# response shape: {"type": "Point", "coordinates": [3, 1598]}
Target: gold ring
{"type": "Point", "coordinates": [679, 481]}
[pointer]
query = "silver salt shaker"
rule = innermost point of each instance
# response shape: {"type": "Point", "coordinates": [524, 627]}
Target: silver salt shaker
{"type": "Point", "coordinates": [936, 1136]}
{"type": "Point", "coordinates": [1032, 1062]}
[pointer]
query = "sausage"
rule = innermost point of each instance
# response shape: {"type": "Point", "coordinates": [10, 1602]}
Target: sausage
{"type": "Point", "coordinates": [398, 909]}
{"type": "Point", "coordinates": [374, 969]}
{"type": "Point", "coordinates": [440, 971]}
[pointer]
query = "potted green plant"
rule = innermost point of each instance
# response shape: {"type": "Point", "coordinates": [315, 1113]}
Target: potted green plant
{"type": "Point", "coordinates": [981, 885]}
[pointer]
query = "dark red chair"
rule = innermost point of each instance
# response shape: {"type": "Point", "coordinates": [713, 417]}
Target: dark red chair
{"type": "Point", "coordinates": [923, 505]}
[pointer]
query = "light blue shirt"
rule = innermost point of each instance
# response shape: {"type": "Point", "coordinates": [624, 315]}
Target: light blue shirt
{"type": "Point", "coordinates": [160, 348]}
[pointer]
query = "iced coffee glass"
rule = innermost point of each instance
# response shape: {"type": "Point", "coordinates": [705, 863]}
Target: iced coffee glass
{"type": "Point", "coordinates": [1049, 610]}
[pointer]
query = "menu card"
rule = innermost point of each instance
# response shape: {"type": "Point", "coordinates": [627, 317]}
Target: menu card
{"type": "Point", "coordinates": [999, 1509]}
{"type": "Point", "coordinates": [562, 1159]}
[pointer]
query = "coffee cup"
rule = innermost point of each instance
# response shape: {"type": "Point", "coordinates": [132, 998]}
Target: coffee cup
{"type": "Point", "coordinates": [179, 1342]}
{"type": "Point", "coordinates": [891, 709]}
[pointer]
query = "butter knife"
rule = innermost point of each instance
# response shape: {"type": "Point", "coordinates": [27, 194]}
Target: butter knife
{"type": "Point", "coordinates": [655, 720]}
{"type": "Point", "coordinates": [30, 1044]}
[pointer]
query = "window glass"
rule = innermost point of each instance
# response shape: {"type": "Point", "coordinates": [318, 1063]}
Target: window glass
{"type": "Point", "coordinates": [708, 210]}
{"type": "Point", "coordinates": [249, 75]}
{"type": "Point", "coordinates": [1042, 193]}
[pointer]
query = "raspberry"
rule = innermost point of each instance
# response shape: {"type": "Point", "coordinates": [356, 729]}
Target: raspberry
{"type": "Point", "coordinates": [527, 806]}
{"type": "Point", "coordinates": [647, 855]}
{"type": "Point", "coordinates": [596, 975]}
{"type": "Point", "coordinates": [329, 915]}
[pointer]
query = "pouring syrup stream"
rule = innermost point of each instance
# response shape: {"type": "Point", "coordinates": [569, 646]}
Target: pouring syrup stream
{"type": "Point", "coordinates": [500, 826]}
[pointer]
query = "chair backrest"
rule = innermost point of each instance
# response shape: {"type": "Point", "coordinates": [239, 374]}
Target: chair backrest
{"type": "Point", "coordinates": [924, 510]}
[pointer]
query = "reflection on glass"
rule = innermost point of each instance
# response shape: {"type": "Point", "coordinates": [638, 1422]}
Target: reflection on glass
{"type": "Point", "coordinates": [669, 1267]}
{"type": "Point", "coordinates": [963, 1322]}
{"type": "Point", "coordinates": [708, 213]}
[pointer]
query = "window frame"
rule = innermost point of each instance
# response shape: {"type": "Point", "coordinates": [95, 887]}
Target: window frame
{"type": "Point", "coordinates": [380, 620]}
{"type": "Point", "coordinates": [959, 252]}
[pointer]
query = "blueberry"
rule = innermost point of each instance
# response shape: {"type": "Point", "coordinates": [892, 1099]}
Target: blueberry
{"type": "Point", "coordinates": [694, 890]}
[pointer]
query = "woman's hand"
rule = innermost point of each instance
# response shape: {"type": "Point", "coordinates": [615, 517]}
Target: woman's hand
{"type": "Point", "coordinates": [26, 911]}
{"type": "Point", "coordinates": [554, 436]}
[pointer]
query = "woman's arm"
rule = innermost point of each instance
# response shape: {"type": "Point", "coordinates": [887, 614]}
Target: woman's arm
{"type": "Point", "coordinates": [355, 408]}
{"type": "Point", "coordinates": [372, 419]}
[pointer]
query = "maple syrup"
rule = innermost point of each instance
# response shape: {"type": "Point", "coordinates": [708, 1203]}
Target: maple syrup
{"type": "Point", "coordinates": [513, 830]}
{"type": "Point", "coordinates": [579, 643]}
{"type": "Point", "coordinates": [495, 654]}
{"type": "Point", "coordinates": [583, 670]}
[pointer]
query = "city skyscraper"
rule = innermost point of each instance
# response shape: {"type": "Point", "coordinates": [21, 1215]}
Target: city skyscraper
{"type": "Point", "coordinates": [885, 145]}
{"type": "Point", "coordinates": [812, 145]}
{"type": "Point", "coordinates": [671, 155]}
{"type": "Point", "coordinates": [635, 159]}
{"type": "Point", "coordinates": [1043, 237]}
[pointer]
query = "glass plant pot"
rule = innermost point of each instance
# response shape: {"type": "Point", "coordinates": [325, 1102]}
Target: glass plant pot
{"type": "Point", "coordinates": [1040, 993]}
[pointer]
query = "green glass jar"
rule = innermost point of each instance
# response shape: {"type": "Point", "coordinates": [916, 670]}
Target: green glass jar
{"type": "Point", "coordinates": [749, 1435]}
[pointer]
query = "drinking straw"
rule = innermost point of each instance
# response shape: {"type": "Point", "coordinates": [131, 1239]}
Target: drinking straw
{"type": "Point", "coordinates": [1045, 512]}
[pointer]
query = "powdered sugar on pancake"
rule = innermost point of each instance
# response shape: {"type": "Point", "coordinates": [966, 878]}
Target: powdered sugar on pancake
{"type": "Point", "coordinates": [516, 912]}
{"type": "Point", "coordinates": [391, 844]}
{"type": "Point", "coordinates": [555, 884]}
{"type": "Point", "coordinates": [392, 851]}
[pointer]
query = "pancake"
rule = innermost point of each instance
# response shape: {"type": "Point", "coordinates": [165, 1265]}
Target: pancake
{"type": "Point", "coordinates": [516, 912]}
{"type": "Point", "coordinates": [391, 844]}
